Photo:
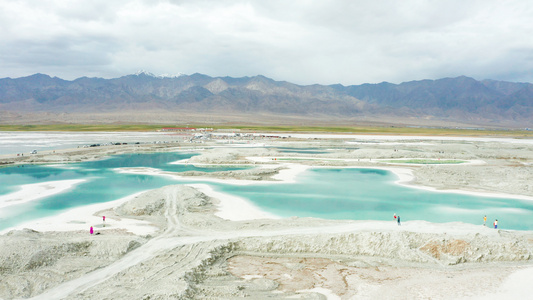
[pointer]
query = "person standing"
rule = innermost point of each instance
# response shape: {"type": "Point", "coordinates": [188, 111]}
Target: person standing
{"type": "Point", "coordinates": [485, 221]}
{"type": "Point", "coordinates": [399, 224]}
{"type": "Point", "coordinates": [91, 230]}
{"type": "Point", "coordinates": [496, 224]}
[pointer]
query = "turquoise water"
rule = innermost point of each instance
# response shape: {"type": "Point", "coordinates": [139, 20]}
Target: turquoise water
{"type": "Point", "coordinates": [310, 150]}
{"type": "Point", "coordinates": [360, 194]}
{"type": "Point", "coordinates": [301, 150]}
{"type": "Point", "coordinates": [103, 183]}
{"type": "Point", "coordinates": [370, 194]}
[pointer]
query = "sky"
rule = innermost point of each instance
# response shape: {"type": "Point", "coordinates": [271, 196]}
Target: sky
{"type": "Point", "coordinates": [303, 42]}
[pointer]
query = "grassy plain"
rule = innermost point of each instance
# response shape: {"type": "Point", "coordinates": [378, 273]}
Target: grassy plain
{"type": "Point", "coordinates": [81, 127]}
{"type": "Point", "coordinates": [390, 130]}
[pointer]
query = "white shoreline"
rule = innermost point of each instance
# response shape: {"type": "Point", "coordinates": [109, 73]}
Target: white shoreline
{"type": "Point", "coordinates": [234, 208]}
{"type": "Point", "coordinates": [36, 191]}
{"type": "Point", "coordinates": [284, 176]}
{"type": "Point", "coordinates": [231, 207]}
{"type": "Point", "coordinates": [405, 176]}
{"type": "Point", "coordinates": [407, 138]}
{"type": "Point", "coordinates": [83, 217]}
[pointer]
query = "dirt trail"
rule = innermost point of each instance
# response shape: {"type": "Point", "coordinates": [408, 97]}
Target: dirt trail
{"type": "Point", "coordinates": [190, 256]}
{"type": "Point", "coordinates": [176, 235]}
{"type": "Point", "coordinates": [170, 238]}
{"type": "Point", "coordinates": [182, 254]}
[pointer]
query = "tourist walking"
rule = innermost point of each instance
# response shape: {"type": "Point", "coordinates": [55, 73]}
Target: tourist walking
{"type": "Point", "coordinates": [496, 224]}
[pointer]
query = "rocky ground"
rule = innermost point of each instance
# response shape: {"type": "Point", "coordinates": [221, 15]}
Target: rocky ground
{"type": "Point", "coordinates": [196, 255]}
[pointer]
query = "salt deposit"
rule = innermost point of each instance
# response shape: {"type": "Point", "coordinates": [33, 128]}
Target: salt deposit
{"type": "Point", "coordinates": [30, 192]}
{"type": "Point", "coordinates": [203, 244]}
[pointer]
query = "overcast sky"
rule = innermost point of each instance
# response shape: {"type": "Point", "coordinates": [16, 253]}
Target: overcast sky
{"type": "Point", "coordinates": [304, 42]}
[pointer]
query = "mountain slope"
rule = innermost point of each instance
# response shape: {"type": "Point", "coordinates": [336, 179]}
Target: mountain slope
{"type": "Point", "coordinates": [460, 99]}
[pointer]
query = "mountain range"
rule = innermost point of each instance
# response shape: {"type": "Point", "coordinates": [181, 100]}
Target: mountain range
{"type": "Point", "coordinates": [460, 100]}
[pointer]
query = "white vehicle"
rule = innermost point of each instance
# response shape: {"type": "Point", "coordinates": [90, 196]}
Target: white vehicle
{"type": "Point", "coordinates": [34, 152]}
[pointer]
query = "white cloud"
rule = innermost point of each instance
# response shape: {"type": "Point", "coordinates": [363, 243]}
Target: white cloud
{"type": "Point", "coordinates": [329, 41]}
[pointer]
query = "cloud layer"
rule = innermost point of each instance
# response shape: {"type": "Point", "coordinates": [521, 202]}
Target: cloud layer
{"type": "Point", "coordinates": [329, 41]}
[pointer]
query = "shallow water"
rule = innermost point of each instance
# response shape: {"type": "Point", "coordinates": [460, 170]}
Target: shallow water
{"type": "Point", "coordinates": [13, 142]}
{"type": "Point", "coordinates": [103, 183]}
{"type": "Point", "coordinates": [313, 150]}
{"type": "Point", "coordinates": [370, 194]}
{"type": "Point", "coordinates": [346, 193]}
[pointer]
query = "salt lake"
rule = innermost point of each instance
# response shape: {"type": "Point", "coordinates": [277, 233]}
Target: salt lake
{"type": "Point", "coordinates": [331, 193]}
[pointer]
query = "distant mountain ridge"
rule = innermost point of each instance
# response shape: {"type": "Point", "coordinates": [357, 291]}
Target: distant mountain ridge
{"type": "Point", "coordinates": [460, 99]}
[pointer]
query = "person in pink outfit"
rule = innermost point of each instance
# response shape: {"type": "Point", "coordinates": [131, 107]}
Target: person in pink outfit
{"type": "Point", "coordinates": [91, 230]}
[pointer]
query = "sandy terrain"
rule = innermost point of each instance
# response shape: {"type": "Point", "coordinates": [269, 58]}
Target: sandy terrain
{"type": "Point", "coordinates": [190, 242]}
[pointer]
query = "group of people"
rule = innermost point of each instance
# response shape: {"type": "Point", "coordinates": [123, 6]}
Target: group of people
{"type": "Point", "coordinates": [495, 224]}
{"type": "Point", "coordinates": [91, 230]}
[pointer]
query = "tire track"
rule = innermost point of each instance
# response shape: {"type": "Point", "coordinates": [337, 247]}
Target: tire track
{"type": "Point", "coordinates": [173, 237]}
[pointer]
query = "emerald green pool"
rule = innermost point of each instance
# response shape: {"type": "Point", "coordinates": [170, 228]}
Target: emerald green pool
{"type": "Point", "coordinates": [330, 193]}
{"type": "Point", "coordinates": [371, 194]}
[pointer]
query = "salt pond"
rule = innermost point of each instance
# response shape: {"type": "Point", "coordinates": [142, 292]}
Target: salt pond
{"type": "Point", "coordinates": [331, 193]}
{"type": "Point", "coordinates": [101, 183]}
{"type": "Point", "coordinates": [372, 194]}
